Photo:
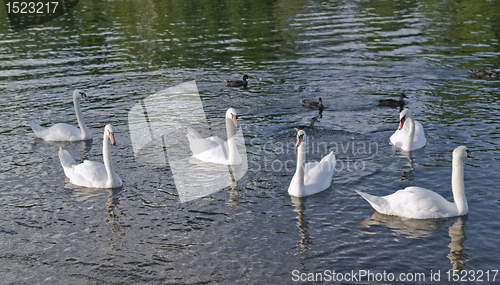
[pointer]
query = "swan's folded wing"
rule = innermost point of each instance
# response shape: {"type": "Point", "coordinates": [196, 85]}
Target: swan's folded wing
{"type": "Point", "coordinates": [415, 202]}
{"type": "Point", "coordinates": [320, 172]}
{"type": "Point", "coordinates": [89, 174]}
{"type": "Point", "coordinates": [198, 144]}
{"type": "Point", "coordinates": [59, 132]}
{"type": "Point", "coordinates": [419, 140]}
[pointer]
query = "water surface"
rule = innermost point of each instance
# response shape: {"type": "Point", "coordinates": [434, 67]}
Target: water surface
{"type": "Point", "coordinates": [349, 53]}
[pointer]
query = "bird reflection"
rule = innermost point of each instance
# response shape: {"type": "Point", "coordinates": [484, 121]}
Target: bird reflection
{"type": "Point", "coordinates": [113, 219]}
{"type": "Point", "coordinates": [86, 146]}
{"type": "Point", "coordinates": [457, 256]}
{"type": "Point", "coordinates": [414, 228]}
{"type": "Point", "coordinates": [234, 195]}
{"type": "Point", "coordinates": [407, 170]}
{"type": "Point", "coordinates": [302, 224]}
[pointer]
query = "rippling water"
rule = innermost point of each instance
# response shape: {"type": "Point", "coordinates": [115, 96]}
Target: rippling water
{"type": "Point", "coordinates": [350, 53]}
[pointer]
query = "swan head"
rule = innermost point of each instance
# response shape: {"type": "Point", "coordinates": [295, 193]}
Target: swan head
{"type": "Point", "coordinates": [110, 133]}
{"type": "Point", "coordinates": [301, 136]}
{"type": "Point", "coordinates": [233, 116]}
{"type": "Point", "coordinates": [79, 94]}
{"type": "Point", "coordinates": [403, 116]}
{"type": "Point", "coordinates": [462, 152]}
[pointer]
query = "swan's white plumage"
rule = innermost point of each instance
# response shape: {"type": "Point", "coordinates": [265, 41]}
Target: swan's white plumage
{"type": "Point", "coordinates": [91, 173]}
{"type": "Point", "coordinates": [214, 149]}
{"type": "Point", "coordinates": [63, 131]}
{"type": "Point", "coordinates": [406, 138]}
{"type": "Point", "coordinates": [421, 203]}
{"type": "Point", "coordinates": [315, 176]}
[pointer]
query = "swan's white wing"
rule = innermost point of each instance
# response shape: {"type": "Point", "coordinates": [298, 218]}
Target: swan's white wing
{"type": "Point", "coordinates": [318, 175]}
{"type": "Point", "coordinates": [198, 144]}
{"type": "Point", "coordinates": [419, 140]}
{"type": "Point", "coordinates": [413, 202]}
{"type": "Point", "coordinates": [58, 132]}
{"type": "Point", "coordinates": [209, 149]}
{"type": "Point", "coordinates": [89, 174]}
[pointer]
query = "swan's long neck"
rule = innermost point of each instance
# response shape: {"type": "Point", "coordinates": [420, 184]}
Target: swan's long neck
{"type": "Point", "coordinates": [301, 163]}
{"type": "Point", "coordinates": [457, 185]}
{"type": "Point", "coordinates": [107, 158]}
{"type": "Point", "coordinates": [411, 133]}
{"type": "Point", "coordinates": [79, 116]}
{"type": "Point", "coordinates": [231, 143]}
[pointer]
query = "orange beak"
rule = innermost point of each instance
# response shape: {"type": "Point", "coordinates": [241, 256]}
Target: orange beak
{"type": "Point", "coordinates": [299, 140]}
{"type": "Point", "coordinates": [469, 154]}
{"type": "Point", "coordinates": [112, 139]}
{"type": "Point", "coordinates": [235, 121]}
{"type": "Point", "coordinates": [401, 123]}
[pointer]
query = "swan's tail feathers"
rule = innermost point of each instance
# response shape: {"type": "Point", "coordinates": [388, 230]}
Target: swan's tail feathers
{"type": "Point", "coordinates": [378, 203]}
{"type": "Point", "coordinates": [67, 160]}
{"type": "Point", "coordinates": [192, 134]}
{"type": "Point", "coordinates": [36, 128]}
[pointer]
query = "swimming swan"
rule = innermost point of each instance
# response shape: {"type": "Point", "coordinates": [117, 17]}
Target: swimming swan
{"type": "Point", "coordinates": [214, 149]}
{"type": "Point", "coordinates": [63, 131]}
{"type": "Point", "coordinates": [410, 133]}
{"type": "Point", "coordinates": [90, 173]}
{"type": "Point", "coordinates": [420, 203]}
{"type": "Point", "coordinates": [313, 177]}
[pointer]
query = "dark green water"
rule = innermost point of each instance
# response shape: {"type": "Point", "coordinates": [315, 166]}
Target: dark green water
{"type": "Point", "coordinates": [350, 53]}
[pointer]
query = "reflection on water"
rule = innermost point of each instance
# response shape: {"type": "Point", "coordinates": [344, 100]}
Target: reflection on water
{"type": "Point", "coordinates": [83, 146]}
{"type": "Point", "coordinates": [407, 170]}
{"type": "Point", "coordinates": [113, 222]}
{"type": "Point", "coordinates": [305, 239]}
{"type": "Point", "coordinates": [414, 228]}
{"type": "Point", "coordinates": [457, 255]}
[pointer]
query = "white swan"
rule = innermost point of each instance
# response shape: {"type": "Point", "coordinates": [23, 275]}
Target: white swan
{"type": "Point", "coordinates": [313, 177]}
{"type": "Point", "coordinates": [90, 173]}
{"type": "Point", "coordinates": [63, 131]}
{"type": "Point", "coordinates": [214, 149]}
{"type": "Point", "coordinates": [420, 203]}
{"type": "Point", "coordinates": [409, 136]}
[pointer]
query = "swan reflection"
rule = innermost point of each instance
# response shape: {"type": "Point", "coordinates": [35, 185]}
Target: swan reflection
{"type": "Point", "coordinates": [407, 170]}
{"type": "Point", "coordinates": [96, 197]}
{"type": "Point", "coordinates": [83, 146]}
{"type": "Point", "coordinates": [457, 255]}
{"type": "Point", "coordinates": [302, 224]}
{"type": "Point", "coordinates": [414, 228]}
{"type": "Point", "coordinates": [113, 221]}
